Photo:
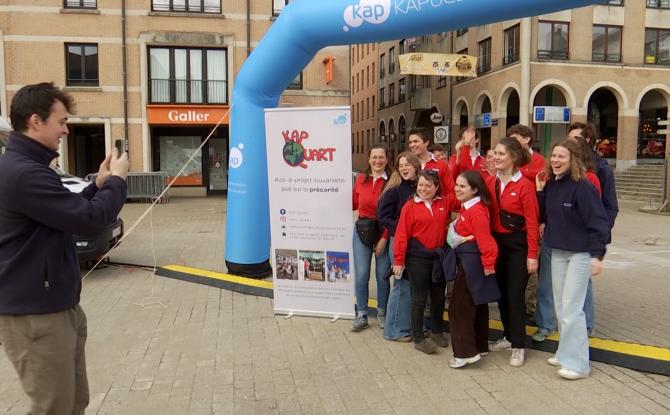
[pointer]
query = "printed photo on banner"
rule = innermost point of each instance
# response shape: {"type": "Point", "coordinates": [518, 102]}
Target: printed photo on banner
{"type": "Point", "coordinates": [338, 266]}
{"type": "Point", "coordinates": [286, 261]}
{"type": "Point", "coordinates": [313, 265]}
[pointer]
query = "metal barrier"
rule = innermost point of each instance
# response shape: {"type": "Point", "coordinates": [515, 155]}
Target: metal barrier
{"type": "Point", "coordinates": [144, 187]}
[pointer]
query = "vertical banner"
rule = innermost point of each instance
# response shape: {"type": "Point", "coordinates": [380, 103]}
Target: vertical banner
{"type": "Point", "coordinates": [310, 185]}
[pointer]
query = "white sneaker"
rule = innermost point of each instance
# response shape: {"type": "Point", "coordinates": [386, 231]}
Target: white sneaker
{"type": "Point", "coordinates": [553, 361]}
{"type": "Point", "coordinates": [500, 345]}
{"type": "Point", "coordinates": [518, 357]}
{"type": "Point", "coordinates": [457, 362]}
{"type": "Point", "coordinates": [572, 375]}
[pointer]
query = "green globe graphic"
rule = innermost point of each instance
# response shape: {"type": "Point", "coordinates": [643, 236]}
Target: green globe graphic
{"type": "Point", "coordinates": [294, 153]}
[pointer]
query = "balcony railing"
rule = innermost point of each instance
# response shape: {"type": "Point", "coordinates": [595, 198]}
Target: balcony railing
{"type": "Point", "coordinates": [553, 54]}
{"type": "Point", "coordinates": [606, 57]}
{"type": "Point", "coordinates": [181, 6]}
{"type": "Point", "coordinates": [80, 4]}
{"type": "Point", "coordinates": [658, 4]}
{"type": "Point", "coordinates": [184, 91]}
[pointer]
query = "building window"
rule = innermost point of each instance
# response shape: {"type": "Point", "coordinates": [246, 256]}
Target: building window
{"type": "Point", "coordinates": [278, 6]}
{"type": "Point", "coordinates": [512, 45]}
{"type": "Point", "coordinates": [606, 43]}
{"type": "Point", "coordinates": [382, 71]}
{"type": "Point", "coordinates": [657, 46]}
{"type": "Point", "coordinates": [419, 82]}
{"type": "Point", "coordinates": [402, 93]}
{"type": "Point", "coordinates": [658, 4]}
{"type": "Point", "coordinates": [188, 76]}
{"type": "Point", "coordinates": [484, 63]}
{"type": "Point", "coordinates": [80, 4]}
{"type": "Point", "coordinates": [553, 40]}
{"type": "Point", "coordinates": [82, 64]}
{"type": "Point", "coordinates": [392, 60]}
{"type": "Point", "coordinates": [296, 83]}
{"type": "Point", "coordinates": [186, 6]}
{"type": "Point", "coordinates": [461, 32]}
{"type": "Point", "coordinates": [441, 82]}
{"type": "Point", "coordinates": [613, 3]}
{"type": "Point", "coordinates": [403, 46]}
{"type": "Point", "coordinates": [381, 98]}
{"type": "Point", "coordinates": [391, 95]}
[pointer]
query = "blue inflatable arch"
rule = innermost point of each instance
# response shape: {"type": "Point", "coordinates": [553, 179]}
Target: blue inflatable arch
{"type": "Point", "coordinates": [303, 28]}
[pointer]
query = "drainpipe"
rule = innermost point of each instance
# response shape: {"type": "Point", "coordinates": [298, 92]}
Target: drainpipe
{"type": "Point", "coordinates": [450, 108]}
{"type": "Point", "coordinates": [248, 28]}
{"type": "Point", "coordinates": [124, 54]}
{"type": "Point", "coordinates": [524, 96]}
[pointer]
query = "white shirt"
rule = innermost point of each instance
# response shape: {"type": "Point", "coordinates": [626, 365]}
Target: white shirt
{"type": "Point", "coordinates": [514, 178]}
{"type": "Point", "coordinates": [470, 203]}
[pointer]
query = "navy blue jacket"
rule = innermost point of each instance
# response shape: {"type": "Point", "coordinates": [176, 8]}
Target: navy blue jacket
{"type": "Point", "coordinates": [575, 217]}
{"type": "Point", "coordinates": [39, 271]}
{"type": "Point", "coordinates": [608, 189]}
{"type": "Point", "coordinates": [483, 289]}
{"type": "Point", "coordinates": [391, 203]}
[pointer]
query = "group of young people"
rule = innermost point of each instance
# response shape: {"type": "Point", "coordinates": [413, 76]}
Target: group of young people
{"type": "Point", "coordinates": [486, 223]}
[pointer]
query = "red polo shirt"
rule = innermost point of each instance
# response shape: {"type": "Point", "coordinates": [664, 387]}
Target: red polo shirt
{"type": "Point", "coordinates": [474, 221]}
{"type": "Point", "coordinates": [592, 178]}
{"type": "Point", "coordinates": [517, 197]}
{"type": "Point", "coordinates": [535, 166]}
{"type": "Point", "coordinates": [366, 196]}
{"type": "Point", "coordinates": [423, 222]}
{"type": "Point", "coordinates": [467, 163]}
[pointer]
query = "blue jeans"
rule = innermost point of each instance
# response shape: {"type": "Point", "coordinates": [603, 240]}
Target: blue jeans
{"type": "Point", "coordinates": [544, 312]}
{"type": "Point", "coordinates": [397, 322]}
{"type": "Point", "coordinates": [362, 261]}
{"type": "Point", "coordinates": [570, 274]}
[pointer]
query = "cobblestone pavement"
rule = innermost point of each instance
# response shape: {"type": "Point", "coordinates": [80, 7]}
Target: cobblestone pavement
{"type": "Point", "coordinates": [161, 346]}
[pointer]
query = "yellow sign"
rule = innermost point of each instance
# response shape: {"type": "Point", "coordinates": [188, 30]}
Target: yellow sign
{"type": "Point", "coordinates": [439, 64]}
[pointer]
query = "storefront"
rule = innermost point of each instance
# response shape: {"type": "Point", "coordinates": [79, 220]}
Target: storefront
{"type": "Point", "coordinates": [176, 132]}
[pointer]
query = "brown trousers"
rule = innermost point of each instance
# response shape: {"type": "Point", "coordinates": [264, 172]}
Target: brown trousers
{"type": "Point", "coordinates": [47, 351]}
{"type": "Point", "coordinates": [468, 323]}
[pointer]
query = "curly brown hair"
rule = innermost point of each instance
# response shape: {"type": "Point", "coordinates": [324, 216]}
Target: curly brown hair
{"type": "Point", "coordinates": [577, 170]}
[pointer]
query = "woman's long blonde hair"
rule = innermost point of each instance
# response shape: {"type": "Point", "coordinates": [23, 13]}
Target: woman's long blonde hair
{"type": "Point", "coordinates": [577, 170]}
{"type": "Point", "coordinates": [395, 179]}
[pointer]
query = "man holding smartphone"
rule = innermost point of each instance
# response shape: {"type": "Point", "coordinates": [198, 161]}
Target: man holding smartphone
{"type": "Point", "coordinates": [43, 329]}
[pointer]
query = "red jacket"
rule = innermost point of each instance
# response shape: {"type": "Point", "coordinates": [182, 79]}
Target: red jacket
{"type": "Point", "coordinates": [535, 166]}
{"type": "Point", "coordinates": [517, 197]}
{"type": "Point", "coordinates": [454, 167]}
{"type": "Point", "coordinates": [366, 196]}
{"type": "Point", "coordinates": [592, 178]}
{"type": "Point", "coordinates": [446, 180]}
{"type": "Point", "coordinates": [466, 163]}
{"type": "Point", "coordinates": [427, 225]}
{"type": "Point", "coordinates": [474, 220]}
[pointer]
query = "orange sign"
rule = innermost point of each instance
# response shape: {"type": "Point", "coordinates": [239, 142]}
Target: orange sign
{"type": "Point", "coordinates": [188, 114]}
{"type": "Point", "coordinates": [329, 68]}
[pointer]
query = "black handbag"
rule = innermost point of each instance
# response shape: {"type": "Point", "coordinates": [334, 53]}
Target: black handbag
{"type": "Point", "coordinates": [368, 230]}
{"type": "Point", "coordinates": [509, 221]}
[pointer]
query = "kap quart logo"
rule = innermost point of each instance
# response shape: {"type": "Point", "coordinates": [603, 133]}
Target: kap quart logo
{"type": "Point", "coordinates": [378, 11]}
{"type": "Point", "coordinates": [296, 155]}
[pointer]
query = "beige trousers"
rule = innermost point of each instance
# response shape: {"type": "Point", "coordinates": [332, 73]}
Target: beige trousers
{"type": "Point", "coordinates": [47, 351]}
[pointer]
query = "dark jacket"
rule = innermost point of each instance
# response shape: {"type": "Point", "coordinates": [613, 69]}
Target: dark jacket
{"type": "Point", "coordinates": [391, 203]}
{"type": "Point", "coordinates": [575, 217]}
{"type": "Point", "coordinates": [608, 187]}
{"type": "Point", "coordinates": [416, 249]}
{"type": "Point", "coordinates": [483, 289]}
{"type": "Point", "coordinates": [39, 272]}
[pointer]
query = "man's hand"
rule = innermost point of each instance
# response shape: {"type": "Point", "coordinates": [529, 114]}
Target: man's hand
{"type": "Point", "coordinates": [380, 246]}
{"type": "Point", "coordinates": [397, 270]}
{"type": "Point", "coordinates": [542, 226]}
{"type": "Point", "coordinates": [531, 264]}
{"type": "Point", "coordinates": [489, 272]}
{"type": "Point", "coordinates": [119, 165]}
{"type": "Point", "coordinates": [469, 136]}
{"type": "Point", "coordinates": [103, 172]}
{"type": "Point", "coordinates": [596, 266]}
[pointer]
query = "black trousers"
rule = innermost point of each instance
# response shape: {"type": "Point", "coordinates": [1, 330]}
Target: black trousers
{"type": "Point", "coordinates": [420, 271]}
{"type": "Point", "coordinates": [512, 277]}
{"type": "Point", "coordinates": [468, 323]}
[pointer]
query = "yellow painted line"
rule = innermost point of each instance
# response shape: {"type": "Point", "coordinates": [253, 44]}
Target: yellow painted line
{"type": "Point", "coordinates": [639, 350]}
{"type": "Point", "coordinates": [220, 276]}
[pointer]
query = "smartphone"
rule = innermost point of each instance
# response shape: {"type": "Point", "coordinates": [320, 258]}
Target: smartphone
{"type": "Point", "coordinates": [120, 146]}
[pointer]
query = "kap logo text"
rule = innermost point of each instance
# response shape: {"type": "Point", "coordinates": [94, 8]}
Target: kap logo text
{"type": "Point", "coordinates": [296, 155]}
{"type": "Point", "coordinates": [378, 11]}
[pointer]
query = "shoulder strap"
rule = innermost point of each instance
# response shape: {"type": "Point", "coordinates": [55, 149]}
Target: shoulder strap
{"type": "Point", "coordinates": [498, 192]}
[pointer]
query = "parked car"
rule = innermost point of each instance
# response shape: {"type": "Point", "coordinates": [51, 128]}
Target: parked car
{"type": "Point", "coordinates": [89, 248]}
